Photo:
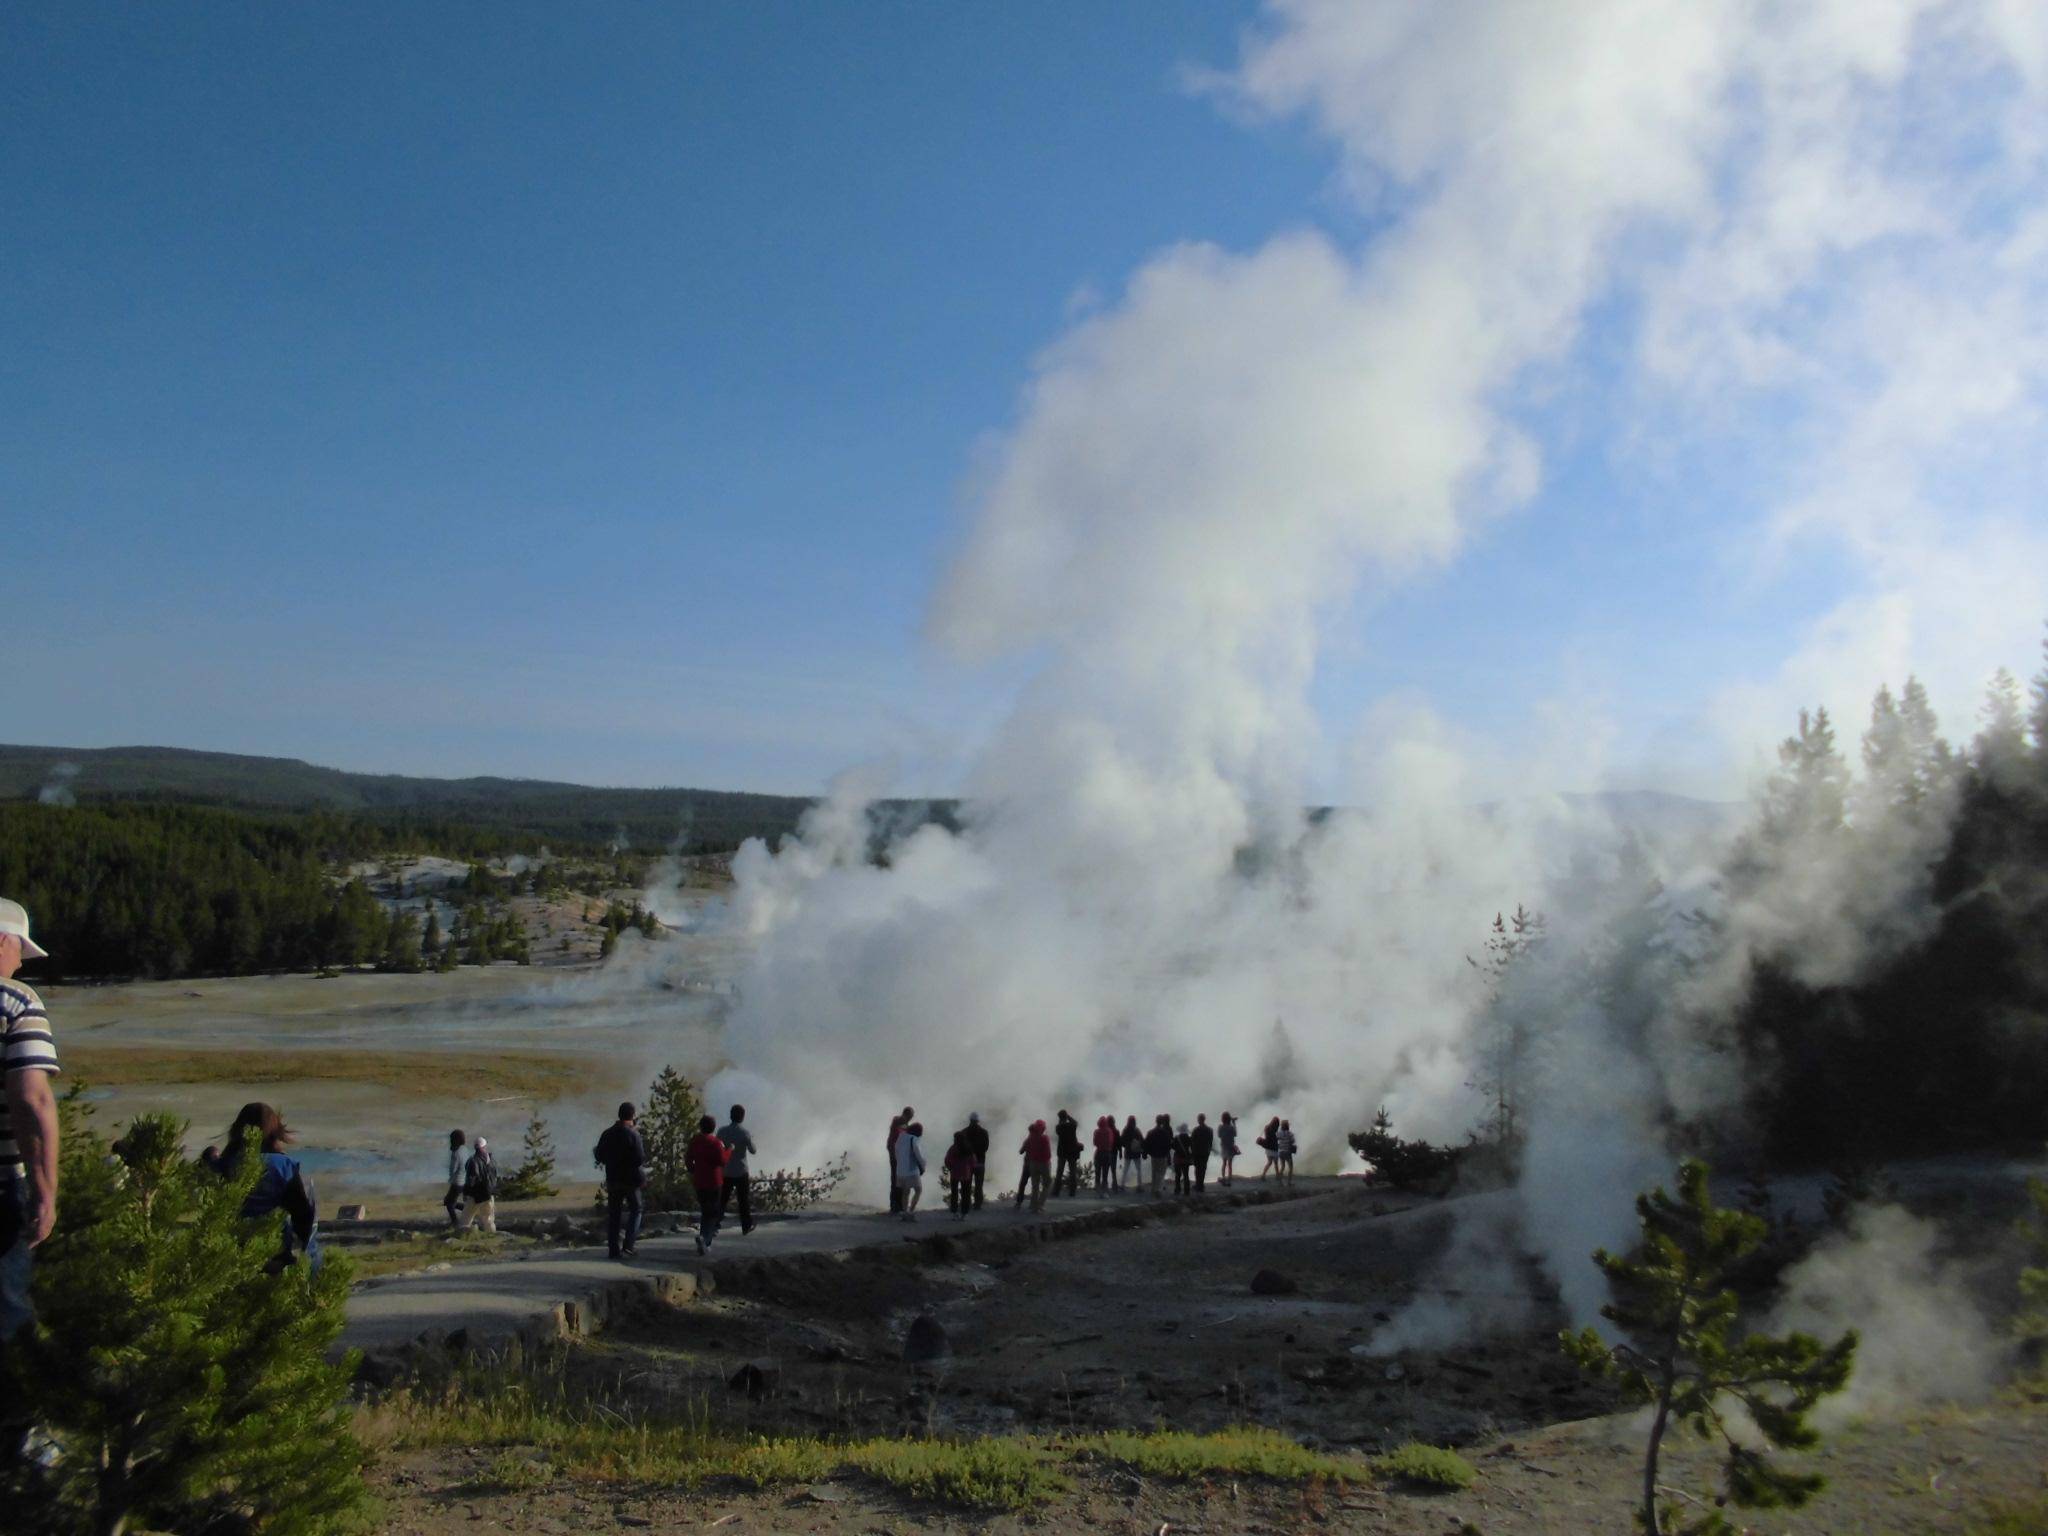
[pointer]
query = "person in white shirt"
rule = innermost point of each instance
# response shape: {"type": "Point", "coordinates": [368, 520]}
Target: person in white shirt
{"type": "Point", "coordinates": [910, 1168]}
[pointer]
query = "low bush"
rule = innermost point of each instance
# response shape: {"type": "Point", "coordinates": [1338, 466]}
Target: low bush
{"type": "Point", "coordinates": [1424, 1466]}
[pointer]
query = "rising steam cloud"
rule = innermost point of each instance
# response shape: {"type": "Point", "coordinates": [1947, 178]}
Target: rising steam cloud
{"type": "Point", "coordinates": [1138, 915]}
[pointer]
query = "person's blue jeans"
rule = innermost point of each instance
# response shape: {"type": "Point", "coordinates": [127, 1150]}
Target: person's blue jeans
{"type": "Point", "coordinates": [621, 1218]}
{"type": "Point", "coordinates": [16, 1260]}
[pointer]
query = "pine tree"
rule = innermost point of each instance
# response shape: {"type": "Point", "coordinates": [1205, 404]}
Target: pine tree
{"type": "Point", "coordinates": [531, 1179]}
{"type": "Point", "coordinates": [1999, 753]}
{"type": "Point", "coordinates": [667, 1122]}
{"type": "Point", "coordinates": [186, 1387]}
{"type": "Point", "coordinates": [1809, 793]}
{"type": "Point", "coordinates": [430, 941]}
{"type": "Point", "coordinates": [1677, 1317]}
{"type": "Point", "coordinates": [1933, 760]}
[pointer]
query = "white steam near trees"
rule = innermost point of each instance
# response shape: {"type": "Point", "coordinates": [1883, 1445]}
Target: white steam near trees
{"type": "Point", "coordinates": [1829, 212]}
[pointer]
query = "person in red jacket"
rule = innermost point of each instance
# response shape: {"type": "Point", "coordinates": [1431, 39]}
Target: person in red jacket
{"type": "Point", "coordinates": [1037, 1150]}
{"type": "Point", "coordinates": [706, 1162]}
{"type": "Point", "coordinates": [1105, 1155]}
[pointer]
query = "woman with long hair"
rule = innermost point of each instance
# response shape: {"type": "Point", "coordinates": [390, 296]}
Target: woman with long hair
{"type": "Point", "coordinates": [281, 1187]}
{"type": "Point", "coordinates": [452, 1201]}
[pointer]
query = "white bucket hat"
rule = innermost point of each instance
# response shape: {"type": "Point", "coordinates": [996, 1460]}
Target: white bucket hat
{"type": "Point", "coordinates": [14, 920]}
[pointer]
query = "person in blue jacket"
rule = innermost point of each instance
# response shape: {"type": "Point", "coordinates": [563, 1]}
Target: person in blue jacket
{"type": "Point", "coordinates": [282, 1188]}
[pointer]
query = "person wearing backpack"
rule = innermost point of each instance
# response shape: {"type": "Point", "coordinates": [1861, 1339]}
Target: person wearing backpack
{"type": "Point", "coordinates": [1159, 1148]}
{"type": "Point", "coordinates": [1105, 1154]}
{"type": "Point", "coordinates": [480, 1187]}
{"type": "Point", "coordinates": [1131, 1142]}
{"type": "Point", "coordinates": [1201, 1142]}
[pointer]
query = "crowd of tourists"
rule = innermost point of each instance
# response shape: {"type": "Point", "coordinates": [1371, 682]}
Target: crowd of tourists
{"type": "Point", "coordinates": [1124, 1157]}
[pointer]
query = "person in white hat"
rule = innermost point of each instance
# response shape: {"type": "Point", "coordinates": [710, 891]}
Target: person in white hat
{"type": "Point", "coordinates": [28, 1124]}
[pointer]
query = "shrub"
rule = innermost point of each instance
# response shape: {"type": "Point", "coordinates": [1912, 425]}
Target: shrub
{"type": "Point", "coordinates": [1403, 1164]}
{"type": "Point", "coordinates": [1425, 1466]}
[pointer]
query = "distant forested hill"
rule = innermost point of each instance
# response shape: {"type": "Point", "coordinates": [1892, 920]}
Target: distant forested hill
{"type": "Point", "coordinates": [523, 812]}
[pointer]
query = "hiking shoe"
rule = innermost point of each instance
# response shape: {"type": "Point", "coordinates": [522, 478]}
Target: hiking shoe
{"type": "Point", "coordinates": [700, 1244]}
{"type": "Point", "coordinates": [632, 1253]}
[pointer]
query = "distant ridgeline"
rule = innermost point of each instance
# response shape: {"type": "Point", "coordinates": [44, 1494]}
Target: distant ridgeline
{"type": "Point", "coordinates": [520, 814]}
{"type": "Point", "coordinates": [155, 861]}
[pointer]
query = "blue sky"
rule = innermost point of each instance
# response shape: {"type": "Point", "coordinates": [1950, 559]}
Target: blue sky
{"type": "Point", "coordinates": [590, 392]}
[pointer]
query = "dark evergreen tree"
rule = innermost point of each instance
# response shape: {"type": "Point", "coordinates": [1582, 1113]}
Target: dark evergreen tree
{"type": "Point", "coordinates": [1681, 1354]}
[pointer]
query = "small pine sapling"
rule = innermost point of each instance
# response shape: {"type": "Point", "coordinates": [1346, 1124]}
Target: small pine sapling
{"type": "Point", "coordinates": [533, 1178]}
{"type": "Point", "coordinates": [1679, 1352]}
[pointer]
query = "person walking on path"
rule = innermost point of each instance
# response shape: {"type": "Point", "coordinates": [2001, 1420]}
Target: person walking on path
{"type": "Point", "coordinates": [1226, 1142]}
{"type": "Point", "coordinates": [910, 1169]}
{"type": "Point", "coordinates": [1159, 1148]}
{"type": "Point", "coordinates": [896, 1129]}
{"type": "Point", "coordinates": [480, 1185]}
{"type": "Point", "coordinates": [1037, 1153]}
{"type": "Point", "coordinates": [282, 1186]}
{"type": "Point", "coordinates": [706, 1160]}
{"type": "Point", "coordinates": [1066, 1177]}
{"type": "Point", "coordinates": [1284, 1149]}
{"type": "Point", "coordinates": [1105, 1154]}
{"type": "Point", "coordinates": [1269, 1143]}
{"type": "Point", "coordinates": [452, 1201]}
{"type": "Point", "coordinates": [1131, 1142]}
{"type": "Point", "coordinates": [1201, 1142]}
{"type": "Point", "coordinates": [739, 1141]}
{"type": "Point", "coordinates": [1183, 1161]}
{"type": "Point", "coordinates": [28, 1151]}
{"type": "Point", "coordinates": [623, 1156]}
{"type": "Point", "coordinates": [959, 1166]}
{"type": "Point", "coordinates": [977, 1143]}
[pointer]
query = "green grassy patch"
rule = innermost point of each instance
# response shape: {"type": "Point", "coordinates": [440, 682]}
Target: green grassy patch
{"type": "Point", "coordinates": [600, 1442]}
{"type": "Point", "coordinates": [1424, 1466]}
{"type": "Point", "coordinates": [1244, 1451]}
{"type": "Point", "coordinates": [977, 1474]}
{"type": "Point", "coordinates": [414, 1074]}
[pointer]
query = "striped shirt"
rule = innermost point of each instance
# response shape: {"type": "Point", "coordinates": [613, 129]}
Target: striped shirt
{"type": "Point", "coordinates": [25, 1046]}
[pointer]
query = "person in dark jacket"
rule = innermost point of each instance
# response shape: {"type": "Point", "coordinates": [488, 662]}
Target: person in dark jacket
{"type": "Point", "coordinates": [1183, 1161]}
{"type": "Point", "coordinates": [706, 1161]}
{"type": "Point", "coordinates": [623, 1156]}
{"type": "Point", "coordinates": [1066, 1175]}
{"type": "Point", "coordinates": [977, 1143]}
{"type": "Point", "coordinates": [282, 1188]}
{"type": "Point", "coordinates": [1131, 1143]}
{"type": "Point", "coordinates": [1159, 1148]}
{"type": "Point", "coordinates": [1226, 1143]}
{"type": "Point", "coordinates": [959, 1166]}
{"type": "Point", "coordinates": [1201, 1142]}
{"type": "Point", "coordinates": [1105, 1154]}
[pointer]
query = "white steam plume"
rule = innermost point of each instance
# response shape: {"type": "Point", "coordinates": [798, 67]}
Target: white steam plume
{"type": "Point", "coordinates": [1197, 473]}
